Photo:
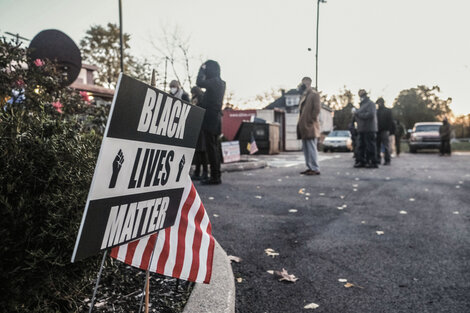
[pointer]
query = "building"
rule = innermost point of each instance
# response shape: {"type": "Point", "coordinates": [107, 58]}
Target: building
{"type": "Point", "coordinates": [289, 102]}
{"type": "Point", "coordinates": [86, 82]}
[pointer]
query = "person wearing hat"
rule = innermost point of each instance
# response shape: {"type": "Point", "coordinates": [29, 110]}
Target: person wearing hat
{"type": "Point", "coordinates": [308, 126]}
{"type": "Point", "coordinates": [385, 127]}
{"type": "Point", "coordinates": [366, 119]}
{"type": "Point", "coordinates": [209, 79]}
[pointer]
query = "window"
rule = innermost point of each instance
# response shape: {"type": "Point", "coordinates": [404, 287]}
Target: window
{"type": "Point", "coordinates": [292, 100]}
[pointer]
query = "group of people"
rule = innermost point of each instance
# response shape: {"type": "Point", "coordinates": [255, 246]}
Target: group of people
{"type": "Point", "coordinates": [371, 129]}
{"type": "Point", "coordinates": [211, 99]}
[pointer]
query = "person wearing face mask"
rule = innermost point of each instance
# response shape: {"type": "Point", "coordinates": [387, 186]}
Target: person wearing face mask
{"type": "Point", "coordinates": [209, 79]}
{"type": "Point", "coordinates": [177, 91]}
{"type": "Point", "coordinates": [308, 126]}
{"type": "Point", "coordinates": [366, 118]}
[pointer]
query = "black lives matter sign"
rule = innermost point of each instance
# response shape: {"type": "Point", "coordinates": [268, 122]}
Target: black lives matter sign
{"type": "Point", "coordinates": [142, 167]}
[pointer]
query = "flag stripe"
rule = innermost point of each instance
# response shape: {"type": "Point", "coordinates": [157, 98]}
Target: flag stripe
{"type": "Point", "coordinates": [210, 256]}
{"type": "Point", "coordinates": [196, 244]}
{"type": "Point", "coordinates": [184, 250]}
{"type": "Point", "coordinates": [130, 252]}
{"type": "Point", "coordinates": [189, 239]}
{"type": "Point", "coordinates": [182, 233]}
{"type": "Point", "coordinates": [164, 255]}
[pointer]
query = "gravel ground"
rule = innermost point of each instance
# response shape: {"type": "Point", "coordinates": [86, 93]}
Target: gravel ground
{"type": "Point", "coordinates": [399, 234]}
{"type": "Point", "coordinates": [121, 287]}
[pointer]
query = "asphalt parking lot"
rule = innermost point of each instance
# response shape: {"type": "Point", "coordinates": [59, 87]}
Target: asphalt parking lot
{"type": "Point", "coordinates": [393, 239]}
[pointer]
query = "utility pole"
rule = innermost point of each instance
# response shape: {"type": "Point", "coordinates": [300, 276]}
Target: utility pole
{"type": "Point", "coordinates": [120, 37]}
{"type": "Point", "coordinates": [316, 49]}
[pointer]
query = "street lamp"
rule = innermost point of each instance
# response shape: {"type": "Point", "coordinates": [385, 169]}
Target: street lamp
{"type": "Point", "coordinates": [316, 51]}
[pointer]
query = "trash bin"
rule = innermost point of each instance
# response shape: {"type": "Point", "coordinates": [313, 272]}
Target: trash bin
{"type": "Point", "coordinates": [266, 136]}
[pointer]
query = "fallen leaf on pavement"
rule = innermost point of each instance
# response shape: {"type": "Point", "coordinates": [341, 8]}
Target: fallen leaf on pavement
{"type": "Point", "coordinates": [349, 285]}
{"type": "Point", "coordinates": [286, 276]}
{"type": "Point", "coordinates": [257, 187]}
{"type": "Point", "coordinates": [458, 186]}
{"type": "Point", "coordinates": [342, 197]}
{"type": "Point", "coordinates": [357, 178]}
{"type": "Point", "coordinates": [412, 199]}
{"type": "Point", "coordinates": [234, 258]}
{"type": "Point", "coordinates": [363, 222]}
{"type": "Point", "coordinates": [321, 194]}
{"type": "Point", "coordinates": [307, 194]}
{"type": "Point", "coordinates": [301, 191]}
{"type": "Point", "coordinates": [403, 212]}
{"type": "Point", "coordinates": [355, 185]}
{"type": "Point", "coordinates": [270, 272]}
{"type": "Point", "coordinates": [342, 280]}
{"type": "Point", "coordinates": [426, 189]}
{"type": "Point", "coordinates": [239, 279]}
{"type": "Point", "coordinates": [340, 208]}
{"type": "Point", "coordinates": [456, 212]}
{"type": "Point", "coordinates": [306, 198]}
{"type": "Point", "coordinates": [279, 179]}
{"type": "Point", "coordinates": [311, 306]}
{"type": "Point", "coordinates": [216, 215]}
{"type": "Point", "coordinates": [258, 197]}
{"type": "Point", "coordinates": [292, 211]}
{"type": "Point", "coordinates": [379, 232]}
{"type": "Point", "coordinates": [270, 252]}
{"type": "Point", "coordinates": [354, 189]}
{"type": "Point", "coordinates": [345, 205]}
{"type": "Point", "coordinates": [460, 182]}
{"type": "Point", "coordinates": [387, 178]}
{"type": "Point", "coordinates": [211, 198]}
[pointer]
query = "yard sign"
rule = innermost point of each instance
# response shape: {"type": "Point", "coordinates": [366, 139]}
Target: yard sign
{"type": "Point", "coordinates": [142, 167]}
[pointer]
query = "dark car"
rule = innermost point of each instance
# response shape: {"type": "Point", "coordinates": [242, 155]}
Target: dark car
{"type": "Point", "coordinates": [425, 136]}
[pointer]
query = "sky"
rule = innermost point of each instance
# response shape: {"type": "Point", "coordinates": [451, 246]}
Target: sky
{"type": "Point", "coordinates": [383, 46]}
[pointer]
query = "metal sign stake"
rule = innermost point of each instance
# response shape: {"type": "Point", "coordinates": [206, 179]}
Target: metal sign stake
{"type": "Point", "coordinates": [97, 281]}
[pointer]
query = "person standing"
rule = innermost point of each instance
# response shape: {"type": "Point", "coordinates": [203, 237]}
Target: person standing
{"type": "Point", "coordinates": [177, 91]}
{"type": "Point", "coordinates": [385, 126]}
{"type": "Point", "coordinates": [200, 157]}
{"type": "Point", "coordinates": [209, 78]}
{"type": "Point", "coordinates": [366, 119]}
{"type": "Point", "coordinates": [444, 132]}
{"type": "Point", "coordinates": [308, 126]}
{"type": "Point", "coordinates": [399, 132]}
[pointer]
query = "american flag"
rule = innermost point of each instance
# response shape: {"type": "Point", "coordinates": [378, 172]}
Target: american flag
{"type": "Point", "coordinates": [183, 251]}
{"type": "Point", "coordinates": [252, 146]}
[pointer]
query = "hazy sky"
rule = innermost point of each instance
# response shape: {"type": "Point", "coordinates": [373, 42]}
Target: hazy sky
{"type": "Point", "coordinates": [383, 46]}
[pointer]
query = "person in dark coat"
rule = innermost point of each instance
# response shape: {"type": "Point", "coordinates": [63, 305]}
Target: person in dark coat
{"type": "Point", "coordinates": [209, 79]}
{"type": "Point", "coordinates": [353, 131]}
{"type": "Point", "coordinates": [366, 119]}
{"type": "Point", "coordinates": [177, 91]}
{"type": "Point", "coordinates": [385, 127]}
{"type": "Point", "coordinates": [200, 157]}
{"type": "Point", "coordinates": [399, 132]}
{"type": "Point", "coordinates": [444, 132]}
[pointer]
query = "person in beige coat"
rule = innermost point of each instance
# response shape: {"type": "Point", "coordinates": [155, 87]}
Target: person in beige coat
{"type": "Point", "coordinates": [308, 126]}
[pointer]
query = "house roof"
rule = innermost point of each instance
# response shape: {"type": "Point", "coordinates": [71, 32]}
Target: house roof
{"type": "Point", "coordinates": [281, 102]}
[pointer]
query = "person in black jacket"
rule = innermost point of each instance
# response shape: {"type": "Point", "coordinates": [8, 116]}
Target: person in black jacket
{"type": "Point", "coordinates": [209, 79]}
{"type": "Point", "coordinates": [385, 126]}
{"type": "Point", "coordinates": [200, 157]}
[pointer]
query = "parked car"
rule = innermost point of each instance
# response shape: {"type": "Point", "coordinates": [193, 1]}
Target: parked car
{"type": "Point", "coordinates": [338, 140]}
{"type": "Point", "coordinates": [425, 136]}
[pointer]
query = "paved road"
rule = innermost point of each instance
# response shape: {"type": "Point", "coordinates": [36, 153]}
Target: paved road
{"type": "Point", "coordinates": [421, 262]}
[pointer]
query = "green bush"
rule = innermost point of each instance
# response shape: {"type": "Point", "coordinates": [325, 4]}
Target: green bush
{"type": "Point", "coordinates": [47, 160]}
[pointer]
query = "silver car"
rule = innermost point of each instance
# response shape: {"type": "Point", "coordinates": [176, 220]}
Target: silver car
{"type": "Point", "coordinates": [338, 140]}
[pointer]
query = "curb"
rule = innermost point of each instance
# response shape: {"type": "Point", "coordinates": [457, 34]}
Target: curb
{"type": "Point", "coordinates": [243, 166]}
{"type": "Point", "coordinates": [219, 295]}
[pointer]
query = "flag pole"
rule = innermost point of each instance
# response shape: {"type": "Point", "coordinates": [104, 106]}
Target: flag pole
{"type": "Point", "coordinates": [146, 289]}
{"type": "Point", "coordinates": [97, 282]}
